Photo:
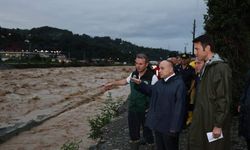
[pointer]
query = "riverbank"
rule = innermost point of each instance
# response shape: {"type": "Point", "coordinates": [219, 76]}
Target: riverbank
{"type": "Point", "coordinates": [115, 136]}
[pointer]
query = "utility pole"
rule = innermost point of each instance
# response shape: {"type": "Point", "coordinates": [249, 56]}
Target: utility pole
{"type": "Point", "coordinates": [185, 48]}
{"type": "Point", "coordinates": [194, 27]}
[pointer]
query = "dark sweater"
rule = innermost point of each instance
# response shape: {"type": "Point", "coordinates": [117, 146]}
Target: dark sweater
{"type": "Point", "coordinates": [139, 102]}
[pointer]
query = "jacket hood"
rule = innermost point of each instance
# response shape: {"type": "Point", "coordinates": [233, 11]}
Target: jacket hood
{"type": "Point", "coordinates": [214, 59]}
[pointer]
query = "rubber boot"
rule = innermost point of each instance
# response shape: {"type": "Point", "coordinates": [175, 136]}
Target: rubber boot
{"type": "Point", "coordinates": [134, 145]}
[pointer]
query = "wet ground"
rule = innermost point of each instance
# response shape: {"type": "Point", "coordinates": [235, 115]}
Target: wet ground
{"type": "Point", "coordinates": [116, 136]}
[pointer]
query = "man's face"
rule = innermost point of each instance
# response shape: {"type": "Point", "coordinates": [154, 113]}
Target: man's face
{"type": "Point", "coordinates": [140, 64]}
{"type": "Point", "coordinates": [185, 61]}
{"type": "Point", "coordinates": [198, 65]}
{"type": "Point", "coordinates": [178, 60]}
{"type": "Point", "coordinates": [200, 52]}
{"type": "Point", "coordinates": [165, 69]}
{"type": "Point", "coordinates": [173, 59]}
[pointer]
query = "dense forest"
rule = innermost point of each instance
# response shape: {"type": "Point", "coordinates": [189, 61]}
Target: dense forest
{"type": "Point", "coordinates": [75, 46]}
{"type": "Point", "coordinates": [229, 24]}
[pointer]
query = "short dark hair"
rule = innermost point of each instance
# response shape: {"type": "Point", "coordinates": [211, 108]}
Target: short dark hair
{"type": "Point", "coordinates": [143, 56]}
{"type": "Point", "coordinates": [205, 40]}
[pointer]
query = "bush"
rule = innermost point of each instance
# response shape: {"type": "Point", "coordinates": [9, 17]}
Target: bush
{"type": "Point", "coordinates": [109, 111]}
{"type": "Point", "coordinates": [71, 145]}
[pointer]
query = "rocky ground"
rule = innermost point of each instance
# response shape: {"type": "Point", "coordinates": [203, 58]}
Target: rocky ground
{"type": "Point", "coordinates": [116, 137]}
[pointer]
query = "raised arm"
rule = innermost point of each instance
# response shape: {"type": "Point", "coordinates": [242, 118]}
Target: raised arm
{"type": "Point", "coordinates": [110, 85]}
{"type": "Point", "coordinates": [144, 88]}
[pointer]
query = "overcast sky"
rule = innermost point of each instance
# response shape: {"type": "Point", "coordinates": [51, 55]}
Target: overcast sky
{"type": "Point", "coordinates": [150, 23]}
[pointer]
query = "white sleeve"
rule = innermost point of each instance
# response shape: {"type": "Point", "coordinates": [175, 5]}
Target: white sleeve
{"type": "Point", "coordinates": [154, 79]}
{"type": "Point", "coordinates": [128, 78]}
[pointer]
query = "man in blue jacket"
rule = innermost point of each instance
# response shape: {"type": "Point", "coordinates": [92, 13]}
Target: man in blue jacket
{"type": "Point", "coordinates": [167, 106]}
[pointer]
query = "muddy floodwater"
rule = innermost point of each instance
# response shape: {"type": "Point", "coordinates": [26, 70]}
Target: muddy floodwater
{"type": "Point", "coordinates": [62, 99]}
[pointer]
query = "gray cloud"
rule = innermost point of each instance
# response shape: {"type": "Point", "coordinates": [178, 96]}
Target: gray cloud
{"type": "Point", "coordinates": [157, 23]}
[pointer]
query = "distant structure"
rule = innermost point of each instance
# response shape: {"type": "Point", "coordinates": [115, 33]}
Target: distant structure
{"type": "Point", "coordinates": [54, 55]}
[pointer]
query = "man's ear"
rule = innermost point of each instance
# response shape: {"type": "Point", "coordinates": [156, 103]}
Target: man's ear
{"type": "Point", "coordinates": [207, 48]}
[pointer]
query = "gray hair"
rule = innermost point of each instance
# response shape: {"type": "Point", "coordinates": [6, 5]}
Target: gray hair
{"type": "Point", "coordinates": [143, 56]}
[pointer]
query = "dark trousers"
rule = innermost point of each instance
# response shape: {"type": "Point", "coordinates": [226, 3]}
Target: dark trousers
{"type": "Point", "coordinates": [248, 144]}
{"type": "Point", "coordinates": [166, 142]}
{"type": "Point", "coordinates": [136, 120]}
{"type": "Point", "coordinates": [188, 108]}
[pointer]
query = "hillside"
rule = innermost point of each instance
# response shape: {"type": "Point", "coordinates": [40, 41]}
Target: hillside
{"type": "Point", "coordinates": [74, 45]}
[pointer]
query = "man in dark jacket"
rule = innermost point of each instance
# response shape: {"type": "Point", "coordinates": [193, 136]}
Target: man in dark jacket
{"type": "Point", "coordinates": [187, 73]}
{"type": "Point", "coordinates": [244, 109]}
{"type": "Point", "coordinates": [213, 99]}
{"type": "Point", "coordinates": [167, 106]}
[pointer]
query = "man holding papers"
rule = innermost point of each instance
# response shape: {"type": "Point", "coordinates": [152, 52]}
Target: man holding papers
{"type": "Point", "coordinates": [211, 118]}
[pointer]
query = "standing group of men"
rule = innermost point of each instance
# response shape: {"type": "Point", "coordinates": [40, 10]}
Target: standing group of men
{"type": "Point", "coordinates": [161, 105]}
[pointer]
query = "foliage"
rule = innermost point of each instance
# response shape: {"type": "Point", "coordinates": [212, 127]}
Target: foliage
{"type": "Point", "coordinates": [71, 145]}
{"type": "Point", "coordinates": [109, 111]}
{"type": "Point", "coordinates": [75, 46]}
{"type": "Point", "coordinates": [228, 22]}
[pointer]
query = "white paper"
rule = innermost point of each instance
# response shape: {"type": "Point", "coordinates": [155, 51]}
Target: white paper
{"type": "Point", "coordinates": [211, 138]}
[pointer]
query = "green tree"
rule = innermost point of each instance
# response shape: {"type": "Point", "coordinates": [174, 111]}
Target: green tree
{"type": "Point", "coordinates": [229, 24]}
{"type": "Point", "coordinates": [74, 45]}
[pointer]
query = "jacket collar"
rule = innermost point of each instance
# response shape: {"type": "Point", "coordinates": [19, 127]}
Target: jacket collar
{"type": "Point", "coordinates": [213, 60]}
{"type": "Point", "coordinates": [166, 79]}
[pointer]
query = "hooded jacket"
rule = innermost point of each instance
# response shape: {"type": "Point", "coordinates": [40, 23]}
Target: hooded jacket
{"type": "Point", "coordinates": [212, 108]}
